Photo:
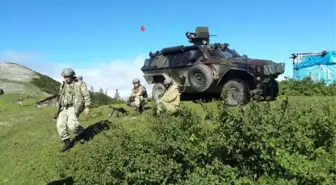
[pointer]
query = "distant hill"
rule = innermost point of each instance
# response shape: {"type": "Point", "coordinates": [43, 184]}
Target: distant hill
{"type": "Point", "coordinates": [15, 78]}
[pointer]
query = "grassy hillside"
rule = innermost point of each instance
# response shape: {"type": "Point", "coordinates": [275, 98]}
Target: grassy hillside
{"type": "Point", "coordinates": [284, 142]}
{"type": "Point", "coordinates": [11, 86]}
{"type": "Point", "coordinates": [20, 80]}
{"type": "Point", "coordinates": [46, 84]}
{"type": "Point", "coordinates": [15, 78]}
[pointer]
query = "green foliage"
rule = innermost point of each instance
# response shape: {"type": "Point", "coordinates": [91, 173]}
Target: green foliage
{"type": "Point", "coordinates": [306, 87]}
{"type": "Point", "coordinates": [46, 84]}
{"type": "Point", "coordinates": [101, 98]}
{"type": "Point", "coordinates": [279, 143]}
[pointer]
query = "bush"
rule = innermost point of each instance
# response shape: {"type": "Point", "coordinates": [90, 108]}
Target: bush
{"type": "Point", "coordinates": [260, 143]}
{"type": "Point", "coordinates": [101, 98]}
{"type": "Point", "coordinates": [47, 84]}
{"type": "Point", "coordinates": [306, 87]}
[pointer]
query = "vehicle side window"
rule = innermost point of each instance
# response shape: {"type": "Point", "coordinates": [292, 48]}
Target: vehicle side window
{"type": "Point", "coordinates": [227, 54]}
{"type": "Point", "coordinates": [194, 55]}
{"type": "Point", "coordinates": [184, 59]}
{"type": "Point", "coordinates": [174, 60]}
{"type": "Point", "coordinates": [220, 53]}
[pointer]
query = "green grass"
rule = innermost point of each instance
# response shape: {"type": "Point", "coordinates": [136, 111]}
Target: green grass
{"type": "Point", "coordinates": [29, 143]}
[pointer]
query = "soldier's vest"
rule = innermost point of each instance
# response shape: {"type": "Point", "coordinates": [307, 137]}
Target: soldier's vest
{"type": "Point", "coordinates": [69, 95]}
{"type": "Point", "coordinates": [144, 91]}
{"type": "Point", "coordinates": [72, 96]}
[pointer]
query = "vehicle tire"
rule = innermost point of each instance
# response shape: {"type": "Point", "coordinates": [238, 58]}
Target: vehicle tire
{"type": "Point", "coordinates": [200, 77]}
{"type": "Point", "coordinates": [272, 90]}
{"type": "Point", "coordinates": [235, 92]}
{"type": "Point", "coordinates": [158, 89]}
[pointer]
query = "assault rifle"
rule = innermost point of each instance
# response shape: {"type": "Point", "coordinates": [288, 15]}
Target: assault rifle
{"type": "Point", "coordinates": [118, 110]}
{"type": "Point", "coordinates": [59, 103]}
{"type": "Point", "coordinates": [58, 111]}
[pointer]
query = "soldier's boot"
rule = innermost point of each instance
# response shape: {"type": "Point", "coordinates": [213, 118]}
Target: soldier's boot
{"type": "Point", "coordinates": [137, 111]}
{"type": "Point", "coordinates": [66, 146]}
{"type": "Point", "coordinates": [82, 138]}
{"type": "Point", "coordinates": [141, 109]}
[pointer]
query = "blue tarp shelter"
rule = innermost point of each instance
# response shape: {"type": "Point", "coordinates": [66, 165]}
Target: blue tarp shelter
{"type": "Point", "coordinates": [318, 66]}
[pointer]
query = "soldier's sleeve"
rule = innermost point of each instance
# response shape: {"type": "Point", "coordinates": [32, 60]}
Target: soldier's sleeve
{"type": "Point", "coordinates": [170, 96]}
{"type": "Point", "coordinates": [145, 92]}
{"type": "Point", "coordinates": [61, 89]}
{"type": "Point", "coordinates": [86, 94]}
{"type": "Point", "coordinates": [141, 90]}
{"type": "Point", "coordinates": [138, 93]}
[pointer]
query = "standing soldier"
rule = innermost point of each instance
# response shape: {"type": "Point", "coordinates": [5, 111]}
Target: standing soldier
{"type": "Point", "coordinates": [170, 100]}
{"type": "Point", "coordinates": [74, 98]}
{"type": "Point", "coordinates": [138, 97]}
{"type": "Point", "coordinates": [20, 100]}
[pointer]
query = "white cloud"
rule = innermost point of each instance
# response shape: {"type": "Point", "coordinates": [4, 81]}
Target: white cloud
{"type": "Point", "coordinates": [112, 75]}
{"type": "Point", "coordinates": [116, 74]}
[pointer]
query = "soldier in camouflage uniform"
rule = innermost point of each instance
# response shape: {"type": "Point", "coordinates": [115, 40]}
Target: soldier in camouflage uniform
{"type": "Point", "coordinates": [20, 100]}
{"type": "Point", "coordinates": [74, 98]}
{"type": "Point", "coordinates": [170, 100]}
{"type": "Point", "coordinates": [138, 97]}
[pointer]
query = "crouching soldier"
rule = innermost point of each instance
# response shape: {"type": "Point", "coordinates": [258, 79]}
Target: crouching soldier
{"type": "Point", "coordinates": [139, 96]}
{"type": "Point", "coordinates": [74, 98]}
{"type": "Point", "coordinates": [170, 100]}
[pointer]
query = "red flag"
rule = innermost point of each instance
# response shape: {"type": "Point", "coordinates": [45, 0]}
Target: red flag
{"type": "Point", "coordinates": [142, 28]}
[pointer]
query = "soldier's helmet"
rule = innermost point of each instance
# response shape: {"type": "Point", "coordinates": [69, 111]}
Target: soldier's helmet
{"type": "Point", "coordinates": [168, 81]}
{"type": "Point", "coordinates": [80, 77]}
{"type": "Point", "coordinates": [68, 72]}
{"type": "Point", "coordinates": [136, 81]}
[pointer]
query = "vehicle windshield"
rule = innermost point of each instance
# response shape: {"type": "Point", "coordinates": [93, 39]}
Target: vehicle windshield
{"type": "Point", "coordinates": [227, 53]}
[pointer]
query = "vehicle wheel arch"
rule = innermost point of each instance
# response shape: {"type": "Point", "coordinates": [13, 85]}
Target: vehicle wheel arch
{"type": "Point", "coordinates": [156, 78]}
{"type": "Point", "coordinates": [237, 74]}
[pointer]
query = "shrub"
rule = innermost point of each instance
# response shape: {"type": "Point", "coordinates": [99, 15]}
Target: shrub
{"type": "Point", "coordinates": [260, 143]}
{"type": "Point", "coordinates": [101, 98]}
{"type": "Point", "coordinates": [47, 84]}
{"type": "Point", "coordinates": [306, 87]}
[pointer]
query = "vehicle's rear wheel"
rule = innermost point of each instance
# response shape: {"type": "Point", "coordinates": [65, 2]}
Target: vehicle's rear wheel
{"type": "Point", "coordinates": [272, 91]}
{"type": "Point", "coordinates": [158, 89]}
{"type": "Point", "coordinates": [200, 77]}
{"type": "Point", "coordinates": [235, 92]}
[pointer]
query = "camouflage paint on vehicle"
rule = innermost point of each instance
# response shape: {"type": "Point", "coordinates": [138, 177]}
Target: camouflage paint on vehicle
{"type": "Point", "coordinates": [204, 68]}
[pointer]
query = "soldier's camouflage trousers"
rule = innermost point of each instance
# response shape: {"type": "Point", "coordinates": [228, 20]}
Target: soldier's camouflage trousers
{"type": "Point", "coordinates": [138, 101]}
{"type": "Point", "coordinates": [161, 106]}
{"type": "Point", "coordinates": [68, 121]}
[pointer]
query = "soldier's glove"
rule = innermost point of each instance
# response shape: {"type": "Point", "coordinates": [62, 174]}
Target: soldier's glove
{"type": "Point", "coordinates": [87, 110]}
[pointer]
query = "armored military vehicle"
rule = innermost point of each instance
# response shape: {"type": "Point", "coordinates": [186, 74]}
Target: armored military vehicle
{"type": "Point", "coordinates": [212, 70]}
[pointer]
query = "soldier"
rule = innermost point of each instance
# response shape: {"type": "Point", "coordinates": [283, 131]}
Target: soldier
{"type": "Point", "coordinates": [74, 98]}
{"type": "Point", "coordinates": [170, 100]}
{"type": "Point", "coordinates": [138, 97]}
{"type": "Point", "coordinates": [20, 100]}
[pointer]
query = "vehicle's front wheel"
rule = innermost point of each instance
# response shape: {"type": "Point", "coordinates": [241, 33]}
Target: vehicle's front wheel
{"type": "Point", "coordinates": [158, 90]}
{"type": "Point", "coordinates": [200, 77]}
{"type": "Point", "coordinates": [235, 92]}
{"type": "Point", "coordinates": [272, 91]}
